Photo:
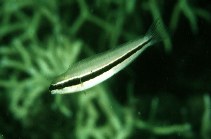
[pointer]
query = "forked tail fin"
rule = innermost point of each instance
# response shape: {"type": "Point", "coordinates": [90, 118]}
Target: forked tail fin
{"type": "Point", "coordinates": [153, 34]}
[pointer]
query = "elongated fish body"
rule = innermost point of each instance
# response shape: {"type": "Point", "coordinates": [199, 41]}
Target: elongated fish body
{"type": "Point", "coordinates": [94, 70]}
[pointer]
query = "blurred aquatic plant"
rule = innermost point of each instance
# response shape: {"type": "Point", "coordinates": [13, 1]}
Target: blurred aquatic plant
{"type": "Point", "coordinates": [190, 12]}
{"type": "Point", "coordinates": [31, 70]}
{"type": "Point", "coordinates": [206, 118]}
{"type": "Point", "coordinates": [118, 122]}
{"type": "Point", "coordinates": [27, 64]}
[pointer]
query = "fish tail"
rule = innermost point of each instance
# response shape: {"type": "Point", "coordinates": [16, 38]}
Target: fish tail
{"type": "Point", "coordinates": [153, 34]}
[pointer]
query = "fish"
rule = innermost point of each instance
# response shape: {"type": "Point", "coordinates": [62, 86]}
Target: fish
{"type": "Point", "coordinates": [92, 71]}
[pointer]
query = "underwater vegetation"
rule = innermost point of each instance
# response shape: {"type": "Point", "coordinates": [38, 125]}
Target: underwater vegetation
{"type": "Point", "coordinates": [163, 94]}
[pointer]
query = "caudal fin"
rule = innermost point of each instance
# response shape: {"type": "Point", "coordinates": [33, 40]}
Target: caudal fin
{"type": "Point", "coordinates": [154, 32]}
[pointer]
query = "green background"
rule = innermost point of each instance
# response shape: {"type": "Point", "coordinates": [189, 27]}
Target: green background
{"type": "Point", "coordinates": [165, 93]}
